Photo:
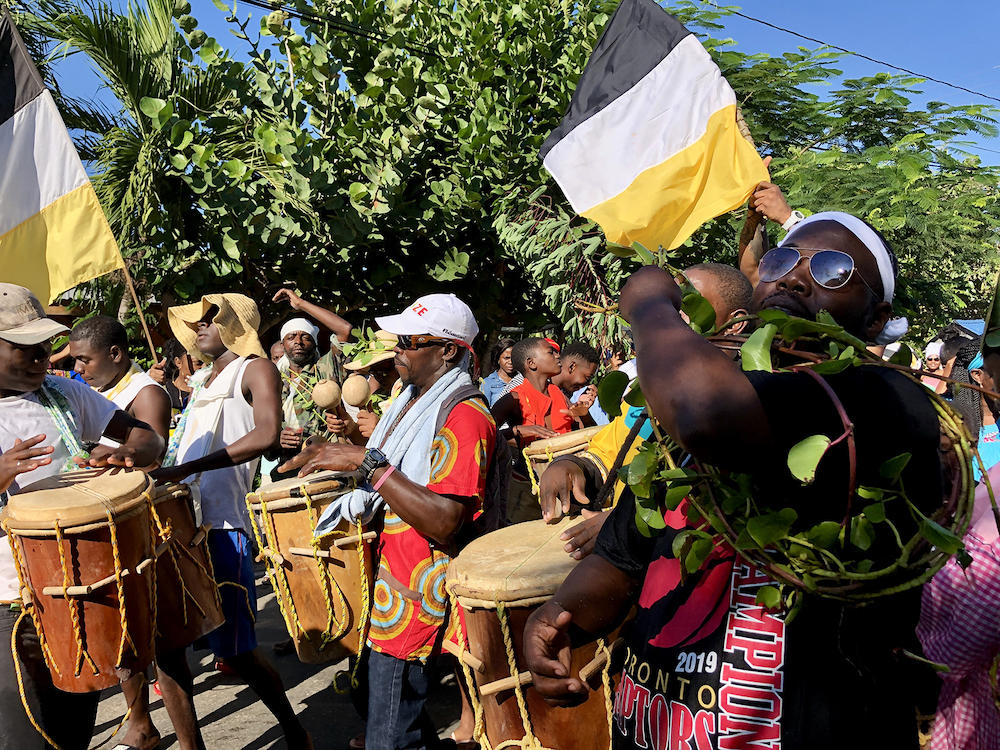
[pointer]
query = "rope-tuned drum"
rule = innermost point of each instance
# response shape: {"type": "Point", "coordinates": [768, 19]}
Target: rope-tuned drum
{"type": "Point", "coordinates": [499, 580]}
{"type": "Point", "coordinates": [85, 547]}
{"type": "Point", "coordinates": [188, 604]}
{"type": "Point", "coordinates": [323, 585]}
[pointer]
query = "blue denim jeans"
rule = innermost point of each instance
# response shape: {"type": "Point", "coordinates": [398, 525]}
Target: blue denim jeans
{"type": "Point", "coordinates": [397, 692]}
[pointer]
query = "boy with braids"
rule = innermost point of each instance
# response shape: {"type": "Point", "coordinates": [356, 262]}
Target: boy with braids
{"type": "Point", "coordinates": [706, 666]}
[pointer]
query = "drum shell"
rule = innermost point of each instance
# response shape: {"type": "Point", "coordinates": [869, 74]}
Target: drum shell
{"type": "Point", "coordinates": [176, 626]}
{"type": "Point", "coordinates": [89, 558]}
{"type": "Point", "coordinates": [542, 452]}
{"type": "Point", "coordinates": [286, 525]}
{"type": "Point", "coordinates": [583, 727]}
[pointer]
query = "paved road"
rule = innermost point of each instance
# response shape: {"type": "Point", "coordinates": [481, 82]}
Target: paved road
{"type": "Point", "coordinates": [232, 718]}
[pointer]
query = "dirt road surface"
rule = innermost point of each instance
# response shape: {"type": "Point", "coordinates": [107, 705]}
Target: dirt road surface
{"type": "Point", "coordinates": [232, 718]}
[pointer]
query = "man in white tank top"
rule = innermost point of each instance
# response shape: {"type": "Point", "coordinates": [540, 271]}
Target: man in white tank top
{"type": "Point", "coordinates": [100, 347]}
{"type": "Point", "coordinates": [232, 418]}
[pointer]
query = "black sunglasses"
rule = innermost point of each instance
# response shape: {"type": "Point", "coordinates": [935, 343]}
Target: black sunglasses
{"type": "Point", "coordinates": [831, 269]}
{"type": "Point", "coordinates": [407, 341]}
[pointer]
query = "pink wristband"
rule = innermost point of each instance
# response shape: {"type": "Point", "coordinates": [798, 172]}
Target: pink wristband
{"type": "Point", "coordinates": [385, 476]}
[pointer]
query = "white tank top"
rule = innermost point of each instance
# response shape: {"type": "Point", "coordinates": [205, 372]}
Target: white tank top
{"type": "Point", "coordinates": [223, 491]}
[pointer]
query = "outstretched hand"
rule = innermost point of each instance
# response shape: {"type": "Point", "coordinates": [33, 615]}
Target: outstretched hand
{"type": "Point", "coordinates": [103, 455]}
{"type": "Point", "coordinates": [548, 652]}
{"type": "Point", "coordinates": [320, 456]}
{"type": "Point", "coordinates": [560, 482]}
{"type": "Point", "coordinates": [289, 296]}
{"type": "Point", "coordinates": [22, 458]}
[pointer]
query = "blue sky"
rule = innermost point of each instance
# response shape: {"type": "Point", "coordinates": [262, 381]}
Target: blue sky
{"type": "Point", "coordinates": [915, 34]}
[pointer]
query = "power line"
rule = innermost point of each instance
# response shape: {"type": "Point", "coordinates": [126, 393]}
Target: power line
{"type": "Point", "coordinates": [864, 57]}
{"type": "Point", "coordinates": [316, 17]}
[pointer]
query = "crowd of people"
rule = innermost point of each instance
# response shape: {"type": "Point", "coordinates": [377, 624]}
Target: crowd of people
{"type": "Point", "coordinates": [440, 455]}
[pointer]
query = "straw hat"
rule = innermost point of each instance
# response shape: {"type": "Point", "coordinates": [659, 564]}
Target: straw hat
{"type": "Point", "coordinates": [368, 353]}
{"type": "Point", "coordinates": [237, 321]}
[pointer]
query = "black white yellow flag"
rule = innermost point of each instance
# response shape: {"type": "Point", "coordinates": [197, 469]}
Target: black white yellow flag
{"type": "Point", "coordinates": [53, 233]}
{"type": "Point", "coordinates": [650, 148]}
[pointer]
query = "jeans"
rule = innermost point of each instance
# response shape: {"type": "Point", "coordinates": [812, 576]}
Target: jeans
{"type": "Point", "coordinates": [396, 692]}
{"type": "Point", "coordinates": [68, 718]}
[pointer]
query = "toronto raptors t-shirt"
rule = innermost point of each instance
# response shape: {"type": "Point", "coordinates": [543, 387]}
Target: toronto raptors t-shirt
{"type": "Point", "coordinates": [707, 668]}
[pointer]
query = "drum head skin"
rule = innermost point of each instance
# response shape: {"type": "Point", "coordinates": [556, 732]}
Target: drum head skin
{"type": "Point", "coordinates": [320, 483]}
{"type": "Point", "coordinates": [562, 443]}
{"type": "Point", "coordinates": [521, 565]}
{"type": "Point", "coordinates": [77, 497]}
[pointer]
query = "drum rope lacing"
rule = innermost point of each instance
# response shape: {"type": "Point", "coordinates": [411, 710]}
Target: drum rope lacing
{"type": "Point", "coordinates": [529, 740]}
{"type": "Point", "coordinates": [328, 584]}
{"type": "Point", "coordinates": [74, 613]}
{"type": "Point", "coordinates": [122, 615]}
{"type": "Point", "coordinates": [286, 604]}
{"type": "Point", "coordinates": [531, 472]}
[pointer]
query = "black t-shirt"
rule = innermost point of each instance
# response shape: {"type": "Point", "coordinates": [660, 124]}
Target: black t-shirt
{"type": "Point", "coordinates": [707, 668]}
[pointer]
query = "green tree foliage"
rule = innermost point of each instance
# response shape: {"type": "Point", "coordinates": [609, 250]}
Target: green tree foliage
{"type": "Point", "coordinates": [383, 150]}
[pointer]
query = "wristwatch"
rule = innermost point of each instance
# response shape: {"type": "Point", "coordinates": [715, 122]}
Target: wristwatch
{"type": "Point", "coordinates": [373, 461]}
{"type": "Point", "coordinates": [792, 220]}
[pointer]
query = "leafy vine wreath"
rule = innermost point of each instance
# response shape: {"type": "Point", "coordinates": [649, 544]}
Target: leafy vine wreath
{"type": "Point", "coordinates": [827, 559]}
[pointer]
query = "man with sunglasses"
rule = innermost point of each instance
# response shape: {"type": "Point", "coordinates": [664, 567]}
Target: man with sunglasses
{"type": "Point", "coordinates": [425, 474]}
{"type": "Point", "coordinates": [706, 666]}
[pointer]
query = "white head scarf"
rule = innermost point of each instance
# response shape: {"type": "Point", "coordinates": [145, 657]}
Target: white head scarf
{"type": "Point", "coordinates": [300, 325]}
{"type": "Point", "coordinates": [933, 349]}
{"type": "Point", "coordinates": [896, 328]}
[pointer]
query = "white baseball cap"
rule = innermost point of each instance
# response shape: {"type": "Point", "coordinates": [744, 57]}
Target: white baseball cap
{"type": "Point", "coordinates": [443, 315]}
{"type": "Point", "coordinates": [22, 317]}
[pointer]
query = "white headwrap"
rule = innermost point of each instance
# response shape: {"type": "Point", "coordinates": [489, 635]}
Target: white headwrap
{"type": "Point", "coordinates": [300, 325]}
{"type": "Point", "coordinates": [896, 328]}
{"type": "Point", "coordinates": [934, 349]}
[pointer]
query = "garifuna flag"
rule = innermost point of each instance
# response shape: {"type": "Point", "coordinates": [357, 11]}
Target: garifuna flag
{"type": "Point", "coordinates": [650, 148]}
{"type": "Point", "coordinates": [53, 232]}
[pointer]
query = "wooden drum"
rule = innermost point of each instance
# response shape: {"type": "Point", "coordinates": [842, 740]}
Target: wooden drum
{"type": "Point", "coordinates": [188, 604]}
{"type": "Point", "coordinates": [519, 568]}
{"type": "Point", "coordinates": [323, 586]}
{"type": "Point", "coordinates": [84, 546]}
{"type": "Point", "coordinates": [541, 453]}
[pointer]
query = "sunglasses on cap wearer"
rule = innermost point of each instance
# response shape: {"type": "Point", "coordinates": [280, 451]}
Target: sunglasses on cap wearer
{"type": "Point", "coordinates": [831, 269]}
{"type": "Point", "coordinates": [933, 359]}
{"type": "Point", "coordinates": [406, 341]}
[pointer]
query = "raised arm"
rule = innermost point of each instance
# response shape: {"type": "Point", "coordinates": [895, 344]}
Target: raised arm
{"type": "Point", "coordinates": [340, 327]}
{"type": "Point", "coordinates": [696, 394]}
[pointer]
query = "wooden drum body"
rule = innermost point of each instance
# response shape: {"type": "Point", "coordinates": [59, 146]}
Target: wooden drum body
{"type": "Point", "coordinates": [542, 452]}
{"type": "Point", "coordinates": [188, 605]}
{"type": "Point", "coordinates": [324, 589]}
{"type": "Point", "coordinates": [520, 567]}
{"type": "Point", "coordinates": [92, 604]}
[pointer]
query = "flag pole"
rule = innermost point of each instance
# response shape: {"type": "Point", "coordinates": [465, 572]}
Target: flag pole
{"type": "Point", "coordinates": [142, 314]}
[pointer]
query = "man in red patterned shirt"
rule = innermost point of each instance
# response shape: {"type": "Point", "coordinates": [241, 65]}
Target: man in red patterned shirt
{"type": "Point", "coordinates": [430, 488]}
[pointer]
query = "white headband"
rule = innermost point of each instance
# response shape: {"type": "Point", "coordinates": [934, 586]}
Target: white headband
{"type": "Point", "coordinates": [863, 232]}
{"type": "Point", "coordinates": [896, 328]}
{"type": "Point", "coordinates": [300, 325]}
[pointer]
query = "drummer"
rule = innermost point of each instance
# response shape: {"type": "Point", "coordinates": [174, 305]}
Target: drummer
{"type": "Point", "coordinates": [580, 477]}
{"type": "Point", "coordinates": [46, 425]}
{"type": "Point", "coordinates": [232, 418]}
{"type": "Point", "coordinates": [534, 409]}
{"type": "Point", "coordinates": [432, 480]}
{"type": "Point", "coordinates": [833, 678]}
{"type": "Point", "coordinates": [99, 345]}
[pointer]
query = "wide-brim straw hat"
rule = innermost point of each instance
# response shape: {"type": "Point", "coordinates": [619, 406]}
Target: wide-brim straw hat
{"type": "Point", "coordinates": [386, 339]}
{"type": "Point", "coordinates": [237, 320]}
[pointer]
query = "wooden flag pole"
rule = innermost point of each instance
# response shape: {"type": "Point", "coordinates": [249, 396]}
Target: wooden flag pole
{"type": "Point", "coordinates": [142, 314]}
